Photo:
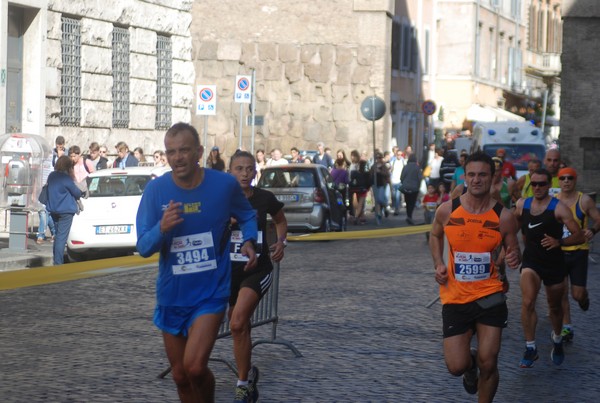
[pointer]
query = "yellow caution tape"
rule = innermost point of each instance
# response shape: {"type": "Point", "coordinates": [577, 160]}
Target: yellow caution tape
{"type": "Point", "coordinates": [10, 280]}
{"type": "Point", "coordinates": [375, 233]}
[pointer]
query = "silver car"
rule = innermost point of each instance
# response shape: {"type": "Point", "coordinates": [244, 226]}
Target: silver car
{"type": "Point", "coordinates": [308, 191]}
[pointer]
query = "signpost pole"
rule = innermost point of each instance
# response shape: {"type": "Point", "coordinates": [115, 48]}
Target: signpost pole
{"type": "Point", "coordinates": [253, 110]}
{"type": "Point", "coordinates": [241, 125]}
{"type": "Point", "coordinates": [373, 108]}
{"type": "Point", "coordinates": [205, 140]}
{"type": "Point", "coordinates": [374, 147]}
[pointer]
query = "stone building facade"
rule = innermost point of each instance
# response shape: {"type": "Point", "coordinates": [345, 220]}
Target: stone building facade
{"type": "Point", "coordinates": [97, 71]}
{"type": "Point", "coordinates": [479, 55]}
{"type": "Point", "coordinates": [579, 128]}
{"type": "Point", "coordinates": [315, 63]}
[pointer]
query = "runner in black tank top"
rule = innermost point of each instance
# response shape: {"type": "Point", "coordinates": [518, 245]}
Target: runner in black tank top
{"type": "Point", "coordinates": [542, 218]}
{"type": "Point", "coordinates": [535, 227]}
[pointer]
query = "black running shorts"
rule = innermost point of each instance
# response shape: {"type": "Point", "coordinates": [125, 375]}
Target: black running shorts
{"type": "Point", "coordinates": [258, 280]}
{"type": "Point", "coordinates": [549, 275]}
{"type": "Point", "coordinates": [459, 318]}
{"type": "Point", "coordinates": [577, 266]}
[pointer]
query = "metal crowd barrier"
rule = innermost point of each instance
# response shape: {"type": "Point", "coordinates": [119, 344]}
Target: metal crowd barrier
{"type": "Point", "coordinates": [265, 313]}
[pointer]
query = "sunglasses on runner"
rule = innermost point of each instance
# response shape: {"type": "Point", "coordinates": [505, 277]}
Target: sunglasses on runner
{"type": "Point", "coordinates": [539, 184]}
{"type": "Point", "coordinates": [564, 178]}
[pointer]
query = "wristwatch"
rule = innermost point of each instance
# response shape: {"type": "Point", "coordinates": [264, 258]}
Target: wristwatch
{"type": "Point", "coordinates": [283, 241]}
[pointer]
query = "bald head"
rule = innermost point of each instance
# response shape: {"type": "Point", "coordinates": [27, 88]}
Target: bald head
{"type": "Point", "coordinates": [552, 161]}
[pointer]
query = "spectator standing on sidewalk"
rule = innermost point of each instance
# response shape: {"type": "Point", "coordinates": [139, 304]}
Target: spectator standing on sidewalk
{"type": "Point", "coordinates": [542, 218]}
{"type": "Point", "coordinates": [296, 157]}
{"type": "Point", "coordinates": [381, 172]}
{"type": "Point", "coordinates": [98, 160]}
{"type": "Point", "coordinates": [214, 160]}
{"type": "Point", "coordinates": [411, 183]}
{"type": "Point", "coordinates": [124, 157]}
{"type": "Point", "coordinates": [583, 208]}
{"type": "Point", "coordinates": [185, 215]}
{"type": "Point", "coordinates": [138, 153]}
{"type": "Point", "coordinates": [470, 288]}
{"type": "Point", "coordinates": [322, 158]}
{"type": "Point", "coordinates": [249, 286]}
{"type": "Point", "coordinates": [397, 165]}
{"type": "Point", "coordinates": [360, 183]}
{"type": "Point", "coordinates": [59, 149]}
{"type": "Point", "coordinates": [63, 195]}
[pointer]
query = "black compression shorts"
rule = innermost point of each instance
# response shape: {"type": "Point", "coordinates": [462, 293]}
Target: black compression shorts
{"type": "Point", "coordinates": [577, 266]}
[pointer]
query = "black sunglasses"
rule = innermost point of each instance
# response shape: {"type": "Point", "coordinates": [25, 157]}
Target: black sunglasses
{"type": "Point", "coordinates": [564, 178]}
{"type": "Point", "coordinates": [539, 184]}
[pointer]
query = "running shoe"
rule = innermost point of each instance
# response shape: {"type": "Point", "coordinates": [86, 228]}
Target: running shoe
{"type": "Point", "coordinates": [470, 377]}
{"type": "Point", "coordinates": [242, 395]}
{"type": "Point", "coordinates": [585, 304]}
{"type": "Point", "coordinates": [567, 335]}
{"type": "Point", "coordinates": [253, 376]}
{"type": "Point", "coordinates": [529, 357]}
{"type": "Point", "coordinates": [557, 354]}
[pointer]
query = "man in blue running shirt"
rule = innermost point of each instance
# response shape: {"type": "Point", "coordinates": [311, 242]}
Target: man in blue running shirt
{"type": "Point", "coordinates": [185, 215]}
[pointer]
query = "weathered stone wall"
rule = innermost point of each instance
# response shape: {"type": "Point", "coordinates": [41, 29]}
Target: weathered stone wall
{"type": "Point", "coordinates": [144, 19]}
{"type": "Point", "coordinates": [580, 97]}
{"type": "Point", "coordinates": [315, 63]}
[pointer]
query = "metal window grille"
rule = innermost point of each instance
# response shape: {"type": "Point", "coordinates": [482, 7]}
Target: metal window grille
{"type": "Point", "coordinates": [164, 82]}
{"type": "Point", "coordinates": [120, 70]}
{"type": "Point", "coordinates": [70, 94]}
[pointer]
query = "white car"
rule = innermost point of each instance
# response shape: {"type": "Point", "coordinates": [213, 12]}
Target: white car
{"type": "Point", "coordinates": [106, 226]}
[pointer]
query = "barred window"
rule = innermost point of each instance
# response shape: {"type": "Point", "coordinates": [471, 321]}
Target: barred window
{"type": "Point", "coordinates": [70, 93]}
{"type": "Point", "coordinates": [164, 82]}
{"type": "Point", "coordinates": [120, 70]}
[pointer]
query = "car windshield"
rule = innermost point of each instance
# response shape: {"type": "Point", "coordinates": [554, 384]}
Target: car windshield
{"type": "Point", "coordinates": [117, 185]}
{"type": "Point", "coordinates": [279, 178]}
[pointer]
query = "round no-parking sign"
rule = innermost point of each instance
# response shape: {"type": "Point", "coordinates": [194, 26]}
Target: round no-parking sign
{"type": "Point", "coordinates": [428, 107]}
{"type": "Point", "coordinates": [206, 100]}
{"type": "Point", "coordinates": [243, 89]}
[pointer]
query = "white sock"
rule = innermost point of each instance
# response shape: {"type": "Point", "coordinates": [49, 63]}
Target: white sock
{"type": "Point", "coordinates": [555, 338]}
{"type": "Point", "coordinates": [242, 383]}
{"type": "Point", "coordinates": [530, 344]}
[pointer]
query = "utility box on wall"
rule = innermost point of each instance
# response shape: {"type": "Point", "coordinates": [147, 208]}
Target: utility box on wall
{"type": "Point", "coordinates": [25, 161]}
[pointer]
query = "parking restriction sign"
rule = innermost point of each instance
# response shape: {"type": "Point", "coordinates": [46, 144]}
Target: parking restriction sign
{"type": "Point", "coordinates": [428, 107]}
{"type": "Point", "coordinates": [243, 89]}
{"type": "Point", "coordinates": [206, 100]}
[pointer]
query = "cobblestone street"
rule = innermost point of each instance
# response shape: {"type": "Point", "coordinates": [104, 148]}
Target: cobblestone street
{"type": "Point", "coordinates": [356, 310]}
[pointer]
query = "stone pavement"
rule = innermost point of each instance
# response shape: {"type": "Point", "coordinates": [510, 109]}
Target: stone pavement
{"type": "Point", "coordinates": [354, 309]}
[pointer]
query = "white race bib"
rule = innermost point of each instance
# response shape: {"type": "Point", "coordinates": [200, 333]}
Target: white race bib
{"type": "Point", "coordinates": [237, 240]}
{"type": "Point", "coordinates": [193, 253]}
{"type": "Point", "coordinates": [469, 266]}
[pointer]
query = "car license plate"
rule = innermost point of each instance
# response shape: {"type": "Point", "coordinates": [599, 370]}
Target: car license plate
{"type": "Point", "coordinates": [113, 229]}
{"type": "Point", "coordinates": [284, 198]}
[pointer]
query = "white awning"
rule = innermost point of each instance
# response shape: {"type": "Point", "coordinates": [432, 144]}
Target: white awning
{"type": "Point", "coordinates": [486, 113]}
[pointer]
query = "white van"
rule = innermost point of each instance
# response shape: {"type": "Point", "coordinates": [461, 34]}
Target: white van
{"type": "Point", "coordinates": [522, 142]}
